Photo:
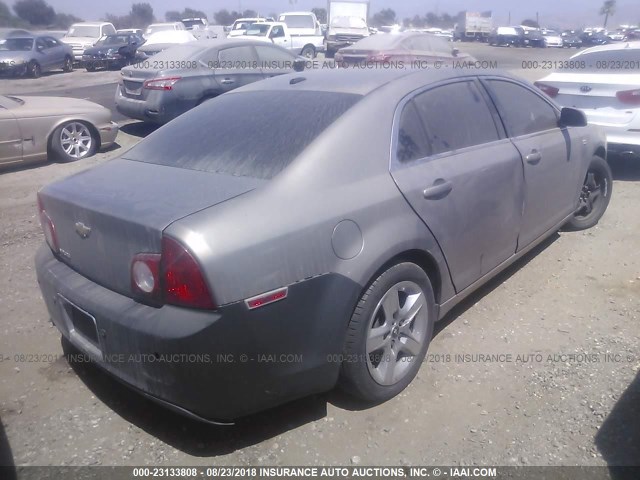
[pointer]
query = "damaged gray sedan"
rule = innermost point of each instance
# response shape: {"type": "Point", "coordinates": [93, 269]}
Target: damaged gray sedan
{"type": "Point", "coordinates": [276, 242]}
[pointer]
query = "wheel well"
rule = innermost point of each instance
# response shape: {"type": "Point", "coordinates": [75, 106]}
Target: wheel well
{"type": "Point", "coordinates": [424, 260]}
{"type": "Point", "coordinates": [601, 152]}
{"type": "Point", "coordinates": [308, 45]}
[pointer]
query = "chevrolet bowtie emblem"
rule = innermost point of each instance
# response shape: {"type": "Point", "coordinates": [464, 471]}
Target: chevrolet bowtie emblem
{"type": "Point", "coordinates": [83, 230]}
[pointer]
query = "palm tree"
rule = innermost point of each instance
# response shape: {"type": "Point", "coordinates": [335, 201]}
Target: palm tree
{"type": "Point", "coordinates": [608, 9]}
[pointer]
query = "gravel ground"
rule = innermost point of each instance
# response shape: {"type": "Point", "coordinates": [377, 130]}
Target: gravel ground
{"type": "Point", "coordinates": [540, 367]}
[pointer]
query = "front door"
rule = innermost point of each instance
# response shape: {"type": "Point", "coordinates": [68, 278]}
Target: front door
{"type": "Point", "coordinates": [550, 166]}
{"type": "Point", "coordinates": [461, 176]}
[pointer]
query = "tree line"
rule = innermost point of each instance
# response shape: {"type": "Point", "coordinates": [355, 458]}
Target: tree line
{"type": "Point", "coordinates": [38, 13]}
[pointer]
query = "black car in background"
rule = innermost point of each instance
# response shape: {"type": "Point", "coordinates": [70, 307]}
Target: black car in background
{"type": "Point", "coordinates": [117, 50]}
{"type": "Point", "coordinates": [534, 38]}
{"type": "Point", "coordinates": [571, 41]}
{"type": "Point", "coordinates": [590, 39]}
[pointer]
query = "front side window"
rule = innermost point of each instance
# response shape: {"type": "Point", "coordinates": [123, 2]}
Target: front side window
{"type": "Point", "coordinates": [523, 112]}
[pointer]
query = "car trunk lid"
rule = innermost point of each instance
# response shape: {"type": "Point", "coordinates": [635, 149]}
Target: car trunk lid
{"type": "Point", "coordinates": [103, 217]}
{"type": "Point", "coordinates": [592, 90]}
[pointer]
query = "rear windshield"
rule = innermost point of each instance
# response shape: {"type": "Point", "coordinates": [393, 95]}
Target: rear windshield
{"type": "Point", "coordinates": [252, 134]}
{"type": "Point", "coordinates": [298, 21]}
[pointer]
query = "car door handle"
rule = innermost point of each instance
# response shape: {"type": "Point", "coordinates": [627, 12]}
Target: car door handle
{"type": "Point", "coordinates": [228, 81]}
{"type": "Point", "coordinates": [534, 157]}
{"type": "Point", "coordinates": [440, 189]}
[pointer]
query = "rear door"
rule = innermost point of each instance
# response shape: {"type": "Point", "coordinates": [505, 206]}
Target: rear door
{"type": "Point", "coordinates": [237, 66]}
{"type": "Point", "coordinates": [10, 137]}
{"type": "Point", "coordinates": [550, 158]}
{"type": "Point", "coordinates": [461, 175]}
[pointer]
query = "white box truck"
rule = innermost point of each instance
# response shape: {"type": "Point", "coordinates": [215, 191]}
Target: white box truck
{"type": "Point", "coordinates": [347, 24]}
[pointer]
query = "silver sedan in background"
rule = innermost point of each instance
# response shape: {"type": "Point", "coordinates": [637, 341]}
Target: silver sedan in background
{"type": "Point", "coordinates": [67, 129]}
{"type": "Point", "coordinates": [32, 55]}
{"type": "Point", "coordinates": [168, 84]}
{"type": "Point", "coordinates": [308, 231]}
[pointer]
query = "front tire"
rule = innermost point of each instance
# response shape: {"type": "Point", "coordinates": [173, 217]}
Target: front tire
{"type": "Point", "coordinates": [34, 70]}
{"type": "Point", "coordinates": [594, 196]}
{"type": "Point", "coordinates": [73, 141]}
{"type": "Point", "coordinates": [388, 334]}
{"type": "Point", "coordinates": [67, 66]}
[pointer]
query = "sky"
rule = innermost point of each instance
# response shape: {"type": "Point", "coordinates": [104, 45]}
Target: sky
{"type": "Point", "coordinates": [563, 13]}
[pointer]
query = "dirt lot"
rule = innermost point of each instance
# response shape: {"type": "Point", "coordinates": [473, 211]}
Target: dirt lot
{"type": "Point", "coordinates": [563, 390]}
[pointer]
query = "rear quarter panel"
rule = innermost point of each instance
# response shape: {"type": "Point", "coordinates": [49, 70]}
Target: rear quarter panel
{"type": "Point", "coordinates": [282, 233]}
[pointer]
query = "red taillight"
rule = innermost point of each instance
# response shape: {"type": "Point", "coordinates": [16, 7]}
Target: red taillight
{"type": "Point", "coordinates": [548, 89]}
{"type": "Point", "coordinates": [145, 275]}
{"type": "Point", "coordinates": [164, 83]}
{"type": "Point", "coordinates": [48, 227]}
{"type": "Point", "coordinates": [182, 279]}
{"type": "Point", "coordinates": [379, 57]}
{"type": "Point", "coordinates": [631, 97]}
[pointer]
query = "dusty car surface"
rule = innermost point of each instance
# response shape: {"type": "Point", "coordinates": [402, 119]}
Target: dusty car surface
{"type": "Point", "coordinates": [33, 128]}
{"type": "Point", "coordinates": [180, 78]}
{"type": "Point", "coordinates": [32, 55]}
{"type": "Point", "coordinates": [160, 41]}
{"type": "Point", "coordinates": [282, 242]}
{"type": "Point", "coordinates": [406, 47]}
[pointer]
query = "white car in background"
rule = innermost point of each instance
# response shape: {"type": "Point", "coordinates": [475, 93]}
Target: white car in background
{"type": "Point", "coordinates": [163, 27]}
{"type": "Point", "coordinates": [553, 39]}
{"type": "Point", "coordinates": [605, 84]}
{"type": "Point", "coordinates": [84, 35]}
{"type": "Point", "coordinates": [159, 41]}
{"type": "Point", "coordinates": [241, 25]}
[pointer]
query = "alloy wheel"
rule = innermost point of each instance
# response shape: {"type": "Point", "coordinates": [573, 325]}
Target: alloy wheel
{"type": "Point", "coordinates": [397, 332]}
{"type": "Point", "coordinates": [76, 140]}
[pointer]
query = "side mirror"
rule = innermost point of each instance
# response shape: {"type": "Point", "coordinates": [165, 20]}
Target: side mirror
{"type": "Point", "coordinates": [299, 64]}
{"type": "Point", "coordinates": [40, 48]}
{"type": "Point", "coordinates": [455, 52]}
{"type": "Point", "coordinates": [572, 117]}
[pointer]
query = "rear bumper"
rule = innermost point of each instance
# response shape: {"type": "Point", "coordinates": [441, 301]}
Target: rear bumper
{"type": "Point", "coordinates": [211, 365]}
{"type": "Point", "coordinates": [156, 108]}
{"type": "Point", "coordinates": [618, 128]}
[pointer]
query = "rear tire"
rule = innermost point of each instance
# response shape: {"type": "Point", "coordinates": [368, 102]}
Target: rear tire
{"type": "Point", "coordinates": [594, 196]}
{"type": "Point", "coordinates": [308, 52]}
{"type": "Point", "coordinates": [388, 334]}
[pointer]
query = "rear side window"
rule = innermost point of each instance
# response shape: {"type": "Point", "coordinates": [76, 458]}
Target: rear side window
{"type": "Point", "coordinates": [298, 21]}
{"type": "Point", "coordinates": [522, 111]}
{"type": "Point", "coordinates": [237, 55]}
{"type": "Point", "coordinates": [251, 134]}
{"type": "Point", "coordinates": [412, 140]}
{"type": "Point", "coordinates": [455, 116]}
